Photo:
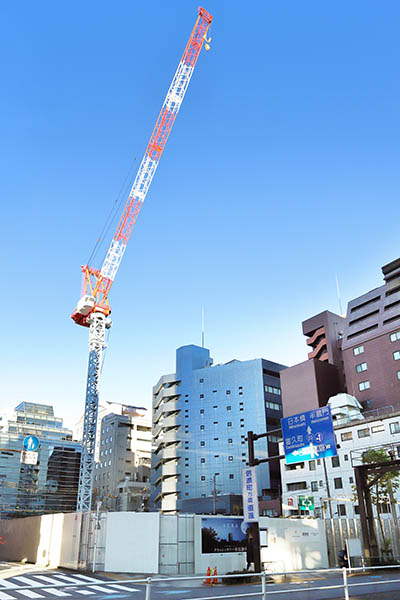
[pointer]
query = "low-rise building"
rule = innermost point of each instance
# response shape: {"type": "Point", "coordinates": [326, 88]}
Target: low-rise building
{"type": "Point", "coordinates": [330, 482]}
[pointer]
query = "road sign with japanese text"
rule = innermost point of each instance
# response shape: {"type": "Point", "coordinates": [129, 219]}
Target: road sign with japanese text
{"type": "Point", "coordinates": [29, 457]}
{"type": "Point", "coordinates": [250, 495]}
{"type": "Point", "coordinates": [308, 436]}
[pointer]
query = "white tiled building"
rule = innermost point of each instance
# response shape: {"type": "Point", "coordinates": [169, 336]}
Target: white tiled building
{"type": "Point", "coordinates": [337, 483]}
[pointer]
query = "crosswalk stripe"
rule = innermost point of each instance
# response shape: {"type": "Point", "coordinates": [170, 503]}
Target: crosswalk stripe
{"type": "Point", "coordinates": [90, 579]}
{"type": "Point", "coordinates": [83, 592]}
{"type": "Point", "coordinates": [57, 592]}
{"type": "Point", "coordinates": [67, 579]}
{"type": "Point", "coordinates": [47, 579]}
{"type": "Point", "coordinates": [99, 588]}
{"type": "Point", "coordinates": [4, 596]}
{"type": "Point", "coordinates": [29, 594]}
{"type": "Point", "coordinates": [6, 584]}
{"type": "Point", "coordinates": [26, 581]}
{"type": "Point", "coordinates": [124, 588]}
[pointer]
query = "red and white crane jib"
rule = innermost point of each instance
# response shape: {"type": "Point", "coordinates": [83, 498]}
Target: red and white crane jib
{"type": "Point", "coordinates": [96, 284]}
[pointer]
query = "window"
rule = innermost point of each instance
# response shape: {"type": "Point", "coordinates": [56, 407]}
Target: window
{"type": "Point", "coordinates": [201, 380]}
{"type": "Point", "coordinates": [230, 458]}
{"type": "Point", "coordinates": [215, 422]}
{"type": "Point", "coordinates": [298, 485]}
{"type": "Point", "coordinates": [201, 427]}
{"type": "Point", "coordinates": [202, 443]}
{"type": "Point", "coordinates": [203, 460]}
{"type": "Point", "coordinates": [398, 375]}
{"type": "Point", "coordinates": [231, 476]}
{"type": "Point", "coordinates": [295, 467]}
{"type": "Point", "coordinates": [358, 350]}
{"type": "Point", "coordinates": [314, 486]}
{"type": "Point", "coordinates": [345, 437]}
{"type": "Point", "coordinates": [351, 480]}
{"type": "Point", "coordinates": [228, 392]}
{"type": "Point", "coordinates": [312, 465]}
{"type": "Point", "coordinates": [270, 389]}
{"type": "Point", "coordinates": [396, 355]}
{"type": "Point", "coordinates": [365, 385]}
{"type": "Point", "coordinates": [273, 405]}
{"type": "Point", "coordinates": [230, 441]}
{"type": "Point", "coordinates": [229, 424]}
{"type": "Point", "coordinates": [378, 428]}
{"type": "Point", "coordinates": [335, 461]}
{"type": "Point", "coordinates": [395, 427]}
{"type": "Point", "coordinates": [338, 483]}
{"type": "Point", "coordinates": [346, 457]}
{"type": "Point", "coordinates": [201, 395]}
{"type": "Point", "coordinates": [361, 367]}
{"type": "Point", "coordinates": [203, 477]}
{"type": "Point", "coordinates": [202, 411]}
{"type": "Point", "coordinates": [229, 408]}
{"type": "Point", "coordinates": [362, 433]}
{"type": "Point", "coordinates": [341, 510]}
{"type": "Point", "coordinates": [395, 336]}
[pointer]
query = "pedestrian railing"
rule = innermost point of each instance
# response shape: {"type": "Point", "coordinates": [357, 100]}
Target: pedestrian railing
{"type": "Point", "coordinates": [263, 579]}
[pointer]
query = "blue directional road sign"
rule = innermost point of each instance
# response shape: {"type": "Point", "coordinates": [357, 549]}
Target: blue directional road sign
{"type": "Point", "coordinates": [31, 442]}
{"type": "Point", "coordinates": [309, 435]}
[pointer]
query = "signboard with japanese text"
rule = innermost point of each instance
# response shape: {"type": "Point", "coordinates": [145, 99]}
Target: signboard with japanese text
{"type": "Point", "coordinates": [28, 457]}
{"type": "Point", "coordinates": [308, 435]}
{"type": "Point", "coordinates": [250, 495]}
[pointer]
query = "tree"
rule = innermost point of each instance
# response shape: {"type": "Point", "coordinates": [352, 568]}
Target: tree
{"type": "Point", "coordinates": [384, 489]}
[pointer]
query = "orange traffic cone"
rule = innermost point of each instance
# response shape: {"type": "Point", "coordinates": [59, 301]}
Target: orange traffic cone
{"type": "Point", "coordinates": [208, 576]}
{"type": "Point", "coordinates": [215, 578]}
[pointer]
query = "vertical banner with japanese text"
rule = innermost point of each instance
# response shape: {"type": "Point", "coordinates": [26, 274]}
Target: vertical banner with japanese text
{"type": "Point", "coordinates": [250, 495]}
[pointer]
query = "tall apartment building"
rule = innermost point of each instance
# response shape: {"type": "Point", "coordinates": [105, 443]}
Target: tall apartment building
{"type": "Point", "coordinates": [358, 354]}
{"type": "Point", "coordinates": [122, 474]}
{"type": "Point", "coordinates": [354, 434]}
{"type": "Point", "coordinates": [201, 415]}
{"type": "Point", "coordinates": [52, 484]}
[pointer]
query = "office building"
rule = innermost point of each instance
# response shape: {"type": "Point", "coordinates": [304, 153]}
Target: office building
{"type": "Point", "coordinates": [358, 354]}
{"type": "Point", "coordinates": [122, 475]}
{"type": "Point", "coordinates": [201, 416]}
{"type": "Point", "coordinates": [50, 485]}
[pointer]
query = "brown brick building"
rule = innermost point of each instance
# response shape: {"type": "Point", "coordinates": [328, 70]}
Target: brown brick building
{"type": "Point", "coordinates": [360, 352]}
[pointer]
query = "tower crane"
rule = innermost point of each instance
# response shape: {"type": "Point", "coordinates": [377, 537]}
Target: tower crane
{"type": "Point", "coordinates": [93, 308]}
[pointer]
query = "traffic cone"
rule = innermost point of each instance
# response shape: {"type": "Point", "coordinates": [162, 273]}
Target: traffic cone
{"type": "Point", "coordinates": [215, 578]}
{"type": "Point", "coordinates": [208, 576]}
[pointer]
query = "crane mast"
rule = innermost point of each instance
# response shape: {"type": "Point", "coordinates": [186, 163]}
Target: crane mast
{"type": "Point", "coordinates": [93, 308]}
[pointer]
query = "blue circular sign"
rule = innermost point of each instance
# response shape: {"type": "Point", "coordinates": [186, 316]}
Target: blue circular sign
{"type": "Point", "coordinates": [31, 442]}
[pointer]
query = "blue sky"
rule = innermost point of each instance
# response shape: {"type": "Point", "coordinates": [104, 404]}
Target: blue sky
{"type": "Point", "coordinates": [281, 170]}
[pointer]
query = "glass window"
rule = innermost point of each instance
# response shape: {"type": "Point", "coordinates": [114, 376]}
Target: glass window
{"type": "Point", "coordinates": [202, 411]}
{"type": "Point", "coordinates": [228, 408]}
{"type": "Point", "coordinates": [201, 380]}
{"type": "Point", "coordinates": [203, 477]}
{"type": "Point", "coordinates": [230, 441]}
{"type": "Point", "coordinates": [203, 460]}
{"type": "Point", "coordinates": [228, 392]}
{"type": "Point", "coordinates": [341, 510]}
{"type": "Point", "coordinates": [230, 458]}
{"type": "Point", "coordinates": [365, 385]}
{"type": "Point", "coordinates": [335, 461]}
{"type": "Point", "coordinates": [201, 427]}
{"type": "Point", "coordinates": [273, 405]}
{"type": "Point", "coordinates": [337, 482]}
{"type": "Point", "coordinates": [362, 433]}
{"type": "Point", "coordinates": [351, 480]}
{"type": "Point", "coordinates": [361, 367]}
{"type": "Point", "coordinates": [398, 375]}
{"type": "Point", "coordinates": [229, 424]}
{"type": "Point", "coordinates": [378, 428]}
{"type": "Point", "coordinates": [358, 350]}
{"type": "Point", "coordinates": [346, 457]}
{"type": "Point", "coordinates": [396, 355]}
{"type": "Point", "coordinates": [202, 443]}
{"type": "Point", "coordinates": [201, 395]}
{"type": "Point", "coordinates": [347, 436]}
{"type": "Point", "coordinates": [312, 465]}
{"type": "Point", "coordinates": [314, 486]}
{"type": "Point", "coordinates": [395, 336]}
{"type": "Point", "coordinates": [395, 427]}
{"type": "Point", "coordinates": [231, 476]}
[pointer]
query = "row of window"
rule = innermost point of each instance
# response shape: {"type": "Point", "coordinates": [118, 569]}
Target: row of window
{"type": "Point", "coordinates": [273, 405]}
{"type": "Point", "coordinates": [366, 431]}
{"type": "Point", "coordinates": [394, 337]}
{"type": "Point", "coordinates": [272, 390]}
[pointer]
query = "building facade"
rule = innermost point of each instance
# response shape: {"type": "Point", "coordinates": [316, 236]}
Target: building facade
{"type": "Point", "coordinates": [358, 354]}
{"type": "Point", "coordinates": [201, 415]}
{"type": "Point", "coordinates": [51, 485]}
{"type": "Point", "coordinates": [332, 485]}
{"type": "Point", "coordinates": [122, 474]}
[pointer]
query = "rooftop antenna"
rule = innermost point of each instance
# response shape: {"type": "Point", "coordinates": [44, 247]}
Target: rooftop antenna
{"type": "Point", "coordinates": [202, 327]}
{"type": "Point", "coordinates": [338, 294]}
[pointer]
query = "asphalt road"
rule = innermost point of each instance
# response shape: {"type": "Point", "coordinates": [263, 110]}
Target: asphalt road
{"type": "Point", "coordinates": [61, 584]}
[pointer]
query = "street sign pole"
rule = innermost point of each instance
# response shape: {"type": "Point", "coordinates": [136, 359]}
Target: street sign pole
{"type": "Point", "coordinates": [254, 527]}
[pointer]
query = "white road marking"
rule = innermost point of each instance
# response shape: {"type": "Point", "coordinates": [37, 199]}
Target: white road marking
{"type": "Point", "coordinates": [26, 581]}
{"type": "Point", "coordinates": [48, 579]}
{"type": "Point", "coordinates": [99, 588]}
{"type": "Point", "coordinates": [29, 594]}
{"type": "Point", "coordinates": [91, 579]}
{"type": "Point", "coordinates": [67, 579]}
{"type": "Point", "coordinates": [4, 596]}
{"type": "Point", "coordinates": [83, 592]}
{"type": "Point", "coordinates": [124, 588]}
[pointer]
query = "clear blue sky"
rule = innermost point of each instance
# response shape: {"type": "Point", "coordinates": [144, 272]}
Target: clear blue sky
{"type": "Point", "coordinates": [282, 169]}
